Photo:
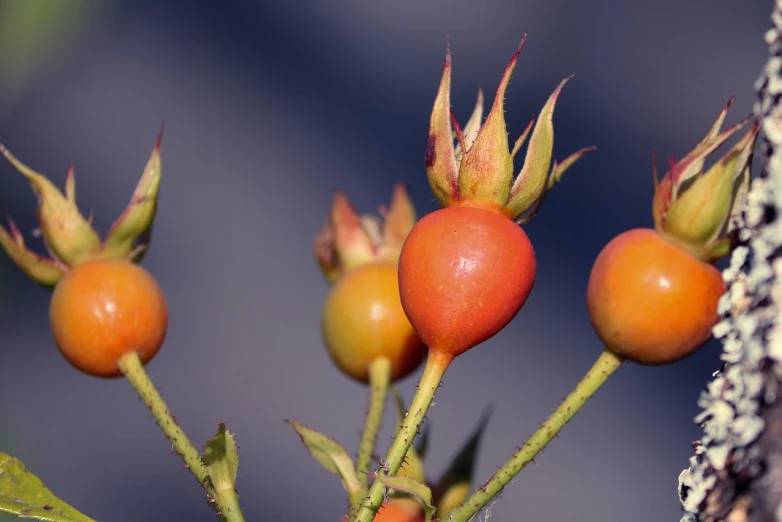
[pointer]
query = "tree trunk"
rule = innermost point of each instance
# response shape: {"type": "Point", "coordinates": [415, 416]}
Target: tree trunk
{"type": "Point", "coordinates": [736, 472]}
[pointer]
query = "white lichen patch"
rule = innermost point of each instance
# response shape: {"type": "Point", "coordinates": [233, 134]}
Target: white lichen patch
{"type": "Point", "coordinates": [718, 483]}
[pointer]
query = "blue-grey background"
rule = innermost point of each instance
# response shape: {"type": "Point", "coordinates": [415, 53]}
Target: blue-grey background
{"type": "Point", "coordinates": [268, 107]}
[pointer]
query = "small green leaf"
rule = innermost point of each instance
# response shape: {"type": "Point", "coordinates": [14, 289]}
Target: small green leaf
{"type": "Point", "coordinates": [330, 455]}
{"type": "Point", "coordinates": [411, 487]}
{"type": "Point", "coordinates": [221, 458]}
{"type": "Point", "coordinates": [24, 495]}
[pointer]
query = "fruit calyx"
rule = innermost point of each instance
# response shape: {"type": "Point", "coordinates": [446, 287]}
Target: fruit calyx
{"type": "Point", "coordinates": [348, 240]}
{"type": "Point", "coordinates": [478, 169]}
{"type": "Point", "coordinates": [69, 237]}
{"type": "Point", "coordinates": [696, 209]}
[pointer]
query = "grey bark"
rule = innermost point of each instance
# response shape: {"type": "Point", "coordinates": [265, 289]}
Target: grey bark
{"type": "Point", "coordinates": [735, 474]}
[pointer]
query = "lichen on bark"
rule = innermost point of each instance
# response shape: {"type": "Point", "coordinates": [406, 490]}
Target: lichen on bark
{"type": "Point", "coordinates": [736, 471]}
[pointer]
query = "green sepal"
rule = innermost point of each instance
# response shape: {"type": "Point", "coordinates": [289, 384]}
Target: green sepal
{"type": "Point", "coordinates": [68, 235]}
{"type": "Point", "coordinates": [442, 170]}
{"type": "Point", "coordinates": [558, 169]}
{"type": "Point", "coordinates": [129, 236]}
{"type": "Point", "coordinates": [531, 182]}
{"type": "Point", "coordinates": [698, 215]}
{"type": "Point", "coordinates": [696, 210]}
{"type": "Point", "coordinates": [486, 167]}
{"type": "Point", "coordinates": [42, 270]}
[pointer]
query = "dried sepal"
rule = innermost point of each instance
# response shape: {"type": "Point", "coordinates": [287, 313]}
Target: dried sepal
{"type": "Point", "coordinates": [715, 128]}
{"type": "Point", "coordinates": [45, 271]}
{"type": "Point", "coordinates": [530, 184]}
{"type": "Point", "coordinates": [471, 129]}
{"type": "Point", "coordinates": [486, 168]}
{"type": "Point", "coordinates": [692, 164]}
{"type": "Point", "coordinates": [557, 171]}
{"type": "Point", "coordinates": [559, 167]}
{"type": "Point", "coordinates": [441, 167]}
{"type": "Point", "coordinates": [478, 169]}
{"type": "Point", "coordinates": [343, 242]}
{"type": "Point", "coordinates": [681, 172]}
{"type": "Point", "coordinates": [348, 240]}
{"type": "Point", "coordinates": [325, 254]}
{"type": "Point", "coordinates": [397, 222]}
{"type": "Point", "coordinates": [522, 138]}
{"type": "Point", "coordinates": [129, 235]}
{"type": "Point", "coordinates": [702, 210]}
{"type": "Point", "coordinates": [67, 234]}
{"type": "Point", "coordinates": [695, 208]}
{"type": "Point", "coordinates": [744, 175]}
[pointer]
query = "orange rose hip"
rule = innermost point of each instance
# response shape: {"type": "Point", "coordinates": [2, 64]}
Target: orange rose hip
{"type": "Point", "coordinates": [103, 309]}
{"type": "Point", "coordinates": [650, 301]}
{"type": "Point", "coordinates": [653, 295]}
{"type": "Point", "coordinates": [395, 512]}
{"type": "Point", "coordinates": [363, 320]}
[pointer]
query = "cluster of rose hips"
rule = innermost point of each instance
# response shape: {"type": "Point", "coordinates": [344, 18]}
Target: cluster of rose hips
{"type": "Point", "coordinates": [405, 291]}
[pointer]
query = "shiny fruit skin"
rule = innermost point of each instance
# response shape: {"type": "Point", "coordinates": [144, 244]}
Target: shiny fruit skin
{"type": "Point", "coordinates": [394, 512]}
{"type": "Point", "coordinates": [651, 302]}
{"type": "Point", "coordinates": [464, 274]}
{"type": "Point", "coordinates": [363, 319]}
{"type": "Point", "coordinates": [103, 309]}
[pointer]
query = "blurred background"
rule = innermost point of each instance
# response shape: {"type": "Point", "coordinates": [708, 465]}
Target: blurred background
{"type": "Point", "coordinates": [269, 106]}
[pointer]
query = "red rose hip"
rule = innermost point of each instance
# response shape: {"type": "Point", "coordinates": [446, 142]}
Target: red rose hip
{"type": "Point", "coordinates": [464, 273]}
{"type": "Point", "coordinates": [466, 270]}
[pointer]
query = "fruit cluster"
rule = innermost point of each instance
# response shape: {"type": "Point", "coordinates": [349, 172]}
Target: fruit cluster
{"type": "Point", "coordinates": [405, 291]}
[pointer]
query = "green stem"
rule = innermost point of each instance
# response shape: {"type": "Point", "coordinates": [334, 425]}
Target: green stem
{"type": "Point", "coordinates": [379, 379]}
{"type": "Point", "coordinates": [354, 500]}
{"type": "Point", "coordinates": [229, 505]}
{"type": "Point", "coordinates": [605, 365]}
{"type": "Point", "coordinates": [436, 364]}
{"type": "Point", "coordinates": [131, 367]}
